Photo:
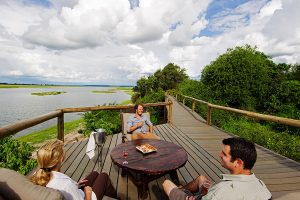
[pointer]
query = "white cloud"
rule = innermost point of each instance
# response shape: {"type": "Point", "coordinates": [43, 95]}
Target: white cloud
{"type": "Point", "coordinates": [107, 42]}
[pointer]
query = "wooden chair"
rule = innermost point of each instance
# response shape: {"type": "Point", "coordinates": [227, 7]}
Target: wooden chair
{"type": "Point", "coordinates": [126, 136]}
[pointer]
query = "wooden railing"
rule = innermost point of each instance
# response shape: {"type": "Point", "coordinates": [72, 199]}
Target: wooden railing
{"type": "Point", "coordinates": [59, 113]}
{"type": "Point", "coordinates": [281, 120]}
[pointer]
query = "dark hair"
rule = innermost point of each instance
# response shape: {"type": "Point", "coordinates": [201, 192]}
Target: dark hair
{"type": "Point", "coordinates": [242, 149]}
{"type": "Point", "coordinates": [137, 105]}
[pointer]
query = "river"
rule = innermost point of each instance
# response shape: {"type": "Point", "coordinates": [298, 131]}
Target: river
{"type": "Point", "coordinates": [18, 103]}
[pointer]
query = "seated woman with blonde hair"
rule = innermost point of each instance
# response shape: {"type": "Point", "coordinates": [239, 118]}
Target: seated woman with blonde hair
{"type": "Point", "coordinates": [50, 157]}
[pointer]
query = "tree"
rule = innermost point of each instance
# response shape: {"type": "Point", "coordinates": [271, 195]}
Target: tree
{"type": "Point", "coordinates": [170, 76]}
{"type": "Point", "coordinates": [240, 78]}
{"type": "Point", "coordinates": [295, 72]}
{"type": "Point", "coordinates": [167, 78]}
{"type": "Point", "coordinates": [142, 86]}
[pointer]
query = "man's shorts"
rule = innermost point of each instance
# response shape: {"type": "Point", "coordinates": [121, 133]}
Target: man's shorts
{"type": "Point", "coordinates": [177, 194]}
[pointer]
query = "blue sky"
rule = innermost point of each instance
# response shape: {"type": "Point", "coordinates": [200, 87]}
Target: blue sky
{"type": "Point", "coordinates": [118, 41]}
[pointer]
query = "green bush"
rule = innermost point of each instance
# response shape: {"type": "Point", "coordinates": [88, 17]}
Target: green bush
{"type": "Point", "coordinates": [157, 113]}
{"type": "Point", "coordinates": [16, 155]}
{"type": "Point", "coordinates": [107, 119]}
{"type": "Point", "coordinates": [282, 143]}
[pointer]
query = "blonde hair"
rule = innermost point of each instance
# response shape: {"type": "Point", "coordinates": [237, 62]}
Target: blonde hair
{"type": "Point", "coordinates": [49, 157]}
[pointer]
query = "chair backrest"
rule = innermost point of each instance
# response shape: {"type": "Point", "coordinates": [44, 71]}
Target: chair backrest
{"type": "Point", "coordinates": [124, 119]}
{"type": "Point", "coordinates": [14, 185]}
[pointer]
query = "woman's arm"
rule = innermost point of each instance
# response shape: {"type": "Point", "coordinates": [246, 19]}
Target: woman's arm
{"type": "Point", "coordinates": [87, 193]}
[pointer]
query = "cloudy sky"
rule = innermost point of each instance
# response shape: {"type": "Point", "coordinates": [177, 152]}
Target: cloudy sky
{"type": "Point", "coordinates": [118, 41]}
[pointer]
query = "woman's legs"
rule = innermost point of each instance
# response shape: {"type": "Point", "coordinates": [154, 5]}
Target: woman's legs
{"type": "Point", "coordinates": [101, 185]}
{"type": "Point", "coordinates": [91, 178]}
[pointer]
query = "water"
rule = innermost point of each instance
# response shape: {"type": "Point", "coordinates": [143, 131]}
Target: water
{"type": "Point", "coordinates": [18, 103]}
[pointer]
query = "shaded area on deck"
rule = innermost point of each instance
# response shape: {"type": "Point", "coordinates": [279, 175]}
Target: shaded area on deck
{"type": "Point", "coordinates": [202, 143]}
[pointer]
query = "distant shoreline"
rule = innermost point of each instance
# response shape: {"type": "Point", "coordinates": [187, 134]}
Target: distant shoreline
{"type": "Point", "coordinates": [25, 85]}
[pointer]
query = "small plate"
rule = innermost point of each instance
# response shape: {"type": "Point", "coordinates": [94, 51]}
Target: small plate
{"type": "Point", "coordinates": [146, 148]}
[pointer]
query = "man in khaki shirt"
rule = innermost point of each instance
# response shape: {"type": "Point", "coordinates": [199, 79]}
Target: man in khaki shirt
{"type": "Point", "coordinates": [238, 156]}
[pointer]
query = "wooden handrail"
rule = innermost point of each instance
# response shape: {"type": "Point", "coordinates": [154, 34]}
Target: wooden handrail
{"type": "Point", "coordinates": [281, 120]}
{"type": "Point", "coordinates": [59, 113]}
{"type": "Point", "coordinates": [23, 124]}
{"type": "Point", "coordinates": [85, 109]}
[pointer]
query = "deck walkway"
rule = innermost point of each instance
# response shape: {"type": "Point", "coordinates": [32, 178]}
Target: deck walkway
{"type": "Point", "coordinates": [202, 143]}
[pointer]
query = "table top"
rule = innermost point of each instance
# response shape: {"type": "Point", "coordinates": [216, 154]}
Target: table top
{"type": "Point", "coordinates": [168, 157]}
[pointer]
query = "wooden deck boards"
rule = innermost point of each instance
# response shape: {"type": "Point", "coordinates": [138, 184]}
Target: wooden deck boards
{"type": "Point", "coordinates": [202, 143]}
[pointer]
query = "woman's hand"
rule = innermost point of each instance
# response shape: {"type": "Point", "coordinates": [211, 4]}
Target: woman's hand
{"type": "Point", "coordinates": [88, 193]}
{"type": "Point", "coordinates": [81, 183]}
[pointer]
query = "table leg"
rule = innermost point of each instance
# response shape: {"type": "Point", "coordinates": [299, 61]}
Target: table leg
{"type": "Point", "coordinates": [123, 172]}
{"type": "Point", "coordinates": [143, 191]}
{"type": "Point", "coordinates": [174, 177]}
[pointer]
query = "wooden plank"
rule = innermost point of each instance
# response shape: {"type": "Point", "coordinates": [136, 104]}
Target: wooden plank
{"type": "Point", "coordinates": [122, 187]}
{"type": "Point", "coordinates": [114, 171]}
{"type": "Point", "coordinates": [70, 159]}
{"type": "Point", "coordinates": [278, 181]}
{"type": "Point", "coordinates": [132, 190]}
{"type": "Point", "coordinates": [92, 163]}
{"type": "Point", "coordinates": [107, 164]}
{"type": "Point", "coordinates": [77, 159]}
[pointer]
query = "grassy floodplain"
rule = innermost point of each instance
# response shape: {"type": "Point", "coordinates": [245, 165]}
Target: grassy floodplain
{"type": "Point", "coordinates": [128, 90]}
{"type": "Point", "coordinates": [47, 93]}
{"type": "Point", "coordinates": [103, 91]}
{"type": "Point", "coordinates": [51, 132]}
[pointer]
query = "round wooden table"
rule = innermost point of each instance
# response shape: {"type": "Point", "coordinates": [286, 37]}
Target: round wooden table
{"type": "Point", "coordinates": [144, 168]}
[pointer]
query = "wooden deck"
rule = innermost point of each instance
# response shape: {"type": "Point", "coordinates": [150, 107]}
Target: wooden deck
{"type": "Point", "coordinates": [202, 143]}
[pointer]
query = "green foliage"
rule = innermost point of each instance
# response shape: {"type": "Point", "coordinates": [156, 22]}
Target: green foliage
{"type": "Point", "coordinates": [142, 86]}
{"type": "Point", "coordinates": [106, 119]}
{"type": "Point", "coordinates": [16, 155]}
{"type": "Point", "coordinates": [282, 143]}
{"type": "Point", "coordinates": [240, 77]}
{"type": "Point", "coordinates": [194, 89]}
{"type": "Point", "coordinates": [294, 73]}
{"type": "Point", "coordinates": [156, 112]}
{"type": "Point", "coordinates": [289, 92]}
{"type": "Point", "coordinates": [167, 78]}
{"type": "Point", "coordinates": [136, 97]}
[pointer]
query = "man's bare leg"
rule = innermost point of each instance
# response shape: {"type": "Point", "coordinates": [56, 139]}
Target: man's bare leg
{"type": "Point", "coordinates": [168, 186]}
{"type": "Point", "coordinates": [136, 136]}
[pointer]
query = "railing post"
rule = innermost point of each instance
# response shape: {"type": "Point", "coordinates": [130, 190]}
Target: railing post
{"type": "Point", "coordinates": [183, 101]}
{"type": "Point", "coordinates": [170, 112]}
{"type": "Point", "coordinates": [176, 97]}
{"type": "Point", "coordinates": [193, 106]}
{"type": "Point", "coordinates": [208, 121]}
{"type": "Point", "coordinates": [60, 127]}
